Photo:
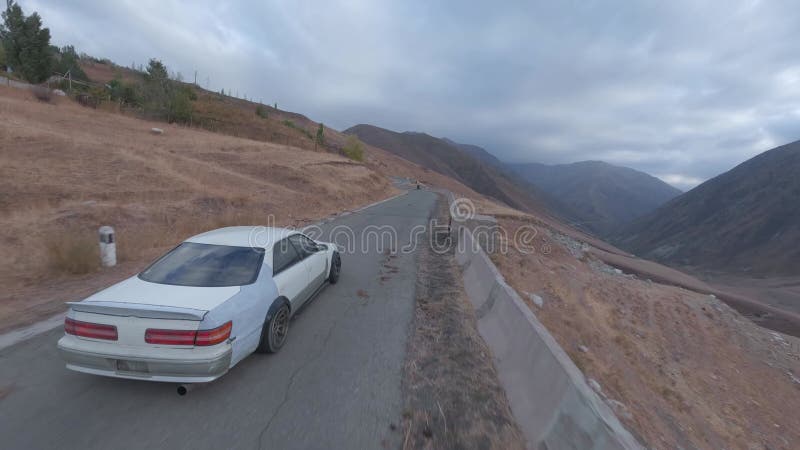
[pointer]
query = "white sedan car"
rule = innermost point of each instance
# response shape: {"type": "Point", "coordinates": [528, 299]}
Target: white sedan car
{"type": "Point", "coordinates": [201, 308]}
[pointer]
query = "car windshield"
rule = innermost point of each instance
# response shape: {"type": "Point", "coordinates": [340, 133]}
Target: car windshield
{"type": "Point", "coordinates": [206, 265]}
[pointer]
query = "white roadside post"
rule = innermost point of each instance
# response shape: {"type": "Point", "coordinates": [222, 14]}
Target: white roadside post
{"type": "Point", "coordinates": [108, 247]}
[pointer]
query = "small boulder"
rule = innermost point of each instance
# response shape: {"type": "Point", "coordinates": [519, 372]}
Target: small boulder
{"type": "Point", "coordinates": [156, 131]}
{"type": "Point", "coordinates": [537, 300]}
{"type": "Point", "coordinates": [620, 409]}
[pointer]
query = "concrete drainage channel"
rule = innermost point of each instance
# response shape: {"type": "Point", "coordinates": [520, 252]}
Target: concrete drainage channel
{"type": "Point", "coordinates": [549, 396]}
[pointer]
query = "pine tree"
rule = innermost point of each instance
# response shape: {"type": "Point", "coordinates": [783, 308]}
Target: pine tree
{"type": "Point", "coordinates": [26, 43]}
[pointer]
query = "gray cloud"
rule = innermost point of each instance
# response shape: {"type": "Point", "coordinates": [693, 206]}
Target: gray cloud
{"type": "Point", "coordinates": [683, 90]}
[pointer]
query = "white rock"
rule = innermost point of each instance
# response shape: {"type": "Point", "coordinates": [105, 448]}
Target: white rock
{"type": "Point", "coordinates": [156, 131]}
{"type": "Point", "coordinates": [537, 300]}
{"type": "Point", "coordinates": [59, 92]}
{"type": "Point", "coordinates": [620, 409]}
{"type": "Point", "coordinates": [595, 385]}
{"type": "Point", "coordinates": [776, 337]}
{"type": "Point", "coordinates": [583, 348]}
{"type": "Point", "coordinates": [617, 271]}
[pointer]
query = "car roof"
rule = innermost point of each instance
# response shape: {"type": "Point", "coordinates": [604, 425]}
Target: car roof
{"type": "Point", "coordinates": [249, 236]}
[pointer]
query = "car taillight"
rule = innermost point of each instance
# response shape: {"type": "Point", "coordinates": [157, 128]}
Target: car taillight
{"type": "Point", "coordinates": [169, 337]}
{"type": "Point", "coordinates": [215, 336]}
{"type": "Point", "coordinates": [189, 337]}
{"type": "Point", "coordinates": [90, 330]}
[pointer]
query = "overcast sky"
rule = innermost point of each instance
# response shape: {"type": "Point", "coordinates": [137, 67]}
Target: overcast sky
{"type": "Point", "coordinates": [681, 89]}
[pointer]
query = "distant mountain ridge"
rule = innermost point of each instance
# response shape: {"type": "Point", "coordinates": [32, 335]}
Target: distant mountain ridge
{"type": "Point", "coordinates": [746, 219]}
{"type": "Point", "coordinates": [605, 195]}
{"type": "Point", "coordinates": [442, 156]}
{"type": "Point", "coordinates": [596, 196]}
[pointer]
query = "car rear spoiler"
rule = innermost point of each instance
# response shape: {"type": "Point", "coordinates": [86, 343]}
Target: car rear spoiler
{"type": "Point", "coordinates": [138, 310]}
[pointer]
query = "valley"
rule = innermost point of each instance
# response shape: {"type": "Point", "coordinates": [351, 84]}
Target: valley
{"type": "Point", "coordinates": [662, 346]}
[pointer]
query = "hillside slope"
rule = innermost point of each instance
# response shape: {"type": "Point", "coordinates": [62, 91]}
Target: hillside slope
{"type": "Point", "coordinates": [479, 153]}
{"type": "Point", "coordinates": [69, 169]}
{"type": "Point", "coordinates": [605, 196]}
{"type": "Point", "coordinates": [746, 219]}
{"type": "Point", "coordinates": [441, 156]}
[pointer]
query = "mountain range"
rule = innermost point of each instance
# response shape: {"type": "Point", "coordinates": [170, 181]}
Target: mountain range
{"type": "Point", "coordinates": [606, 196]}
{"type": "Point", "coordinates": [441, 156]}
{"type": "Point", "coordinates": [744, 220]}
{"type": "Point", "coordinates": [591, 195]}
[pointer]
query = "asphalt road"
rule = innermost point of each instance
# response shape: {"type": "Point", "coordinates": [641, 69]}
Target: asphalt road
{"type": "Point", "coordinates": [335, 384]}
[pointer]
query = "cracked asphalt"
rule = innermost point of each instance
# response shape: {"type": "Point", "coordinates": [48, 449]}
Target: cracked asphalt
{"type": "Point", "coordinates": [335, 384]}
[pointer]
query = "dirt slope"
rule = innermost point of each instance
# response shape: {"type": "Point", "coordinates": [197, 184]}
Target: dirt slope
{"type": "Point", "coordinates": [69, 169]}
{"type": "Point", "coordinates": [681, 369]}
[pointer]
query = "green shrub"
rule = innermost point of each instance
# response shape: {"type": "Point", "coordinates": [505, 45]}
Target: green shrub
{"type": "Point", "coordinates": [180, 106]}
{"type": "Point", "coordinates": [190, 91]}
{"type": "Point", "coordinates": [292, 125]}
{"type": "Point", "coordinates": [125, 93]}
{"type": "Point", "coordinates": [320, 135]}
{"type": "Point", "coordinates": [101, 93]}
{"type": "Point", "coordinates": [261, 111]}
{"type": "Point", "coordinates": [66, 59]}
{"type": "Point", "coordinates": [354, 149]}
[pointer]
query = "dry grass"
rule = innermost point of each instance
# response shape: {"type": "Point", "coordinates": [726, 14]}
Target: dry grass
{"type": "Point", "coordinates": [453, 397]}
{"type": "Point", "coordinates": [72, 253]}
{"type": "Point", "coordinates": [42, 93]}
{"type": "Point", "coordinates": [687, 370]}
{"type": "Point", "coordinates": [71, 168]}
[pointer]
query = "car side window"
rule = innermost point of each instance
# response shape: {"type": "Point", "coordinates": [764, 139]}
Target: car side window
{"type": "Point", "coordinates": [305, 246]}
{"type": "Point", "coordinates": [283, 256]}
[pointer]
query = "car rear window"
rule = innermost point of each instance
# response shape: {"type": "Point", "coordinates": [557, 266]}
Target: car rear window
{"type": "Point", "coordinates": [206, 265]}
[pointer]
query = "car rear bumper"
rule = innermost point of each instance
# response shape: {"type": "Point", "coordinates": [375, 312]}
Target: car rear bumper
{"type": "Point", "coordinates": [91, 357]}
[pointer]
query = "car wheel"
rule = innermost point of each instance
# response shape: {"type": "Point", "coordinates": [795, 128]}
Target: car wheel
{"type": "Point", "coordinates": [336, 267]}
{"type": "Point", "coordinates": [275, 330]}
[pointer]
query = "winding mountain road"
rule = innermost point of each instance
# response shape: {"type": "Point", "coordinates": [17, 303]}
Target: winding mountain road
{"type": "Point", "coordinates": [335, 384]}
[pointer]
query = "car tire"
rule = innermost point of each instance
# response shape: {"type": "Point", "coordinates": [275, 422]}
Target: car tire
{"type": "Point", "coordinates": [336, 268]}
{"type": "Point", "coordinates": [275, 330]}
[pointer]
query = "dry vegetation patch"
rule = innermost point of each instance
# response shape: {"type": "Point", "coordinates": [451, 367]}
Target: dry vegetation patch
{"type": "Point", "coordinates": [681, 369]}
{"type": "Point", "coordinates": [68, 170]}
{"type": "Point", "coordinates": [453, 397]}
